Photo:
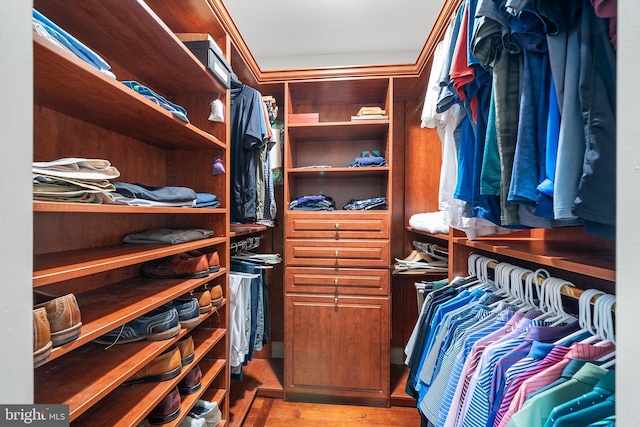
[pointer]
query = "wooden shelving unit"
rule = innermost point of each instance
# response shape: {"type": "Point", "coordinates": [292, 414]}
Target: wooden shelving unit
{"type": "Point", "coordinates": [81, 112]}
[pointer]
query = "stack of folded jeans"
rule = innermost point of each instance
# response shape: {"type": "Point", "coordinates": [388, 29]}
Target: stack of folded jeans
{"type": "Point", "coordinates": [378, 203]}
{"type": "Point", "coordinates": [367, 162]}
{"type": "Point", "coordinates": [313, 203]}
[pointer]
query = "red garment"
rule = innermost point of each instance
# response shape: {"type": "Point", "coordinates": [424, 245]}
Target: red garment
{"type": "Point", "coordinates": [461, 74]}
{"type": "Point", "coordinates": [608, 9]}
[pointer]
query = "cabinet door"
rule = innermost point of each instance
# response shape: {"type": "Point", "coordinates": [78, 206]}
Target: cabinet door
{"type": "Point", "coordinates": [333, 253]}
{"type": "Point", "coordinates": [337, 349]}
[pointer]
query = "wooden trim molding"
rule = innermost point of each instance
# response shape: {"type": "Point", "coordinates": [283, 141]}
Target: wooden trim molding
{"type": "Point", "coordinates": [279, 76]}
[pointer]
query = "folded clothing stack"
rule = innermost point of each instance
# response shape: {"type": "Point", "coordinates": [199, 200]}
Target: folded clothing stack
{"type": "Point", "coordinates": [168, 236]}
{"type": "Point", "coordinates": [145, 195]}
{"type": "Point", "coordinates": [174, 109]}
{"type": "Point", "coordinates": [73, 179]}
{"type": "Point", "coordinates": [368, 162]}
{"type": "Point", "coordinates": [46, 28]}
{"type": "Point", "coordinates": [313, 203]}
{"type": "Point", "coordinates": [377, 203]}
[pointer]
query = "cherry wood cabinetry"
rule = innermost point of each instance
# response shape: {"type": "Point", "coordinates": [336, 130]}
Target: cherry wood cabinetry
{"type": "Point", "coordinates": [81, 112]}
{"type": "Point", "coordinates": [337, 281]}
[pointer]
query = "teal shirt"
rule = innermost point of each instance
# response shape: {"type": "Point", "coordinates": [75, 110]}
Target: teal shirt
{"type": "Point", "coordinates": [535, 411]}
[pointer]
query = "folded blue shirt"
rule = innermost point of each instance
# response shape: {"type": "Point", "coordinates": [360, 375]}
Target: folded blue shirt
{"type": "Point", "coordinates": [71, 43]}
{"type": "Point", "coordinates": [367, 161]}
{"type": "Point", "coordinates": [174, 109]}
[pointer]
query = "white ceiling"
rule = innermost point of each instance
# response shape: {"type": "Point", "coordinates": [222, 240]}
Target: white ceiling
{"type": "Point", "coordinates": [295, 34]}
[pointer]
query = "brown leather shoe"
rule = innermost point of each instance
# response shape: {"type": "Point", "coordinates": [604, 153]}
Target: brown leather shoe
{"type": "Point", "coordinates": [164, 367]}
{"type": "Point", "coordinates": [187, 349]}
{"type": "Point", "coordinates": [167, 410]}
{"type": "Point", "coordinates": [216, 295]}
{"type": "Point", "coordinates": [192, 382]}
{"type": "Point", "coordinates": [176, 267]}
{"type": "Point", "coordinates": [203, 296]}
{"type": "Point", "coordinates": [212, 257]}
{"type": "Point", "coordinates": [63, 314]}
{"type": "Point", "coordinates": [41, 337]}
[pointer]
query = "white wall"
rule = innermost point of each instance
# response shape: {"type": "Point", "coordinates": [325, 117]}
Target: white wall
{"type": "Point", "coordinates": [628, 234]}
{"type": "Point", "coordinates": [16, 148]}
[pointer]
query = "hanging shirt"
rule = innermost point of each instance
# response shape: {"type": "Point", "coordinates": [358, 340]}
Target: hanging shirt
{"type": "Point", "coordinates": [246, 139]}
{"type": "Point", "coordinates": [536, 411]}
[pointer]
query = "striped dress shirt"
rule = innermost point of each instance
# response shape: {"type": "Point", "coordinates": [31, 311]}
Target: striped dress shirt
{"type": "Point", "coordinates": [461, 362]}
{"type": "Point", "coordinates": [486, 359]}
{"type": "Point", "coordinates": [510, 319]}
{"type": "Point", "coordinates": [518, 373]}
{"type": "Point", "coordinates": [553, 372]}
{"type": "Point", "coordinates": [488, 384]}
{"type": "Point", "coordinates": [429, 403]}
{"type": "Point", "coordinates": [536, 411]}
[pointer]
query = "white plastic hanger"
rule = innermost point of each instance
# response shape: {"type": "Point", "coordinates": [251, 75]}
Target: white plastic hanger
{"type": "Point", "coordinates": [584, 315]}
{"type": "Point", "coordinates": [563, 316]}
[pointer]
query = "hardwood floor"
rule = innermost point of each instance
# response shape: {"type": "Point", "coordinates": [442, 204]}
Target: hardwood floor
{"type": "Point", "coordinates": [256, 401]}
{"type": "Point", "coordinates": [268, 412]}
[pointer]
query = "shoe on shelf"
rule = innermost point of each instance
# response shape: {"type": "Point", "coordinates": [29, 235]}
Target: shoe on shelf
{"type": "Point", "coordinates": [187, 349]}
{"type": "Point", "coordinates": [203, 296]}
{"type": "Point", "coordinates": [167, 410]}
{"type": "Point", "coordinates": [164, 367]}
{"type": "Point", "coordinates": [209, 411]}
{"type": "Point", "coordinates": [41, 337]}
{"type": "Point", "coordinates": [153, 326]}
{"type": "Point", "coordinates": [216, 295]}
{"type": "Point", "coordinates": [176, 267]}
{"type": "Point", "coordinates": [192, 422]}
{"type": "Point", "coordinates": [191, 382]}
{"type": "Point", "coordinates": [63, 315]}
{"type": "Point", "coordinates": [212, 258]}
{"type": "Point", "coordinates": [188, 311]}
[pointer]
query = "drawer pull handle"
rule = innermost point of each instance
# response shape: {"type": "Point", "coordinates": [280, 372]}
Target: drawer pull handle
{"type": "Point", "coordinates": [335, 300]}
{"type": "Point", "coordinates": [337, 225]}
{"type": "Point", "coordinates": [336, 254]}
{"type": "Point", "coordinates": [335, 281]}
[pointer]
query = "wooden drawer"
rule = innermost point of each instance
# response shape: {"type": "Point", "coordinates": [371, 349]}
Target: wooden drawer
{"type": "Point", "coordinates": [338, 225]}
{"type": "Point", "coordinates": [341, 281]}
{"type": "Point", "coordinates": [332, 253]}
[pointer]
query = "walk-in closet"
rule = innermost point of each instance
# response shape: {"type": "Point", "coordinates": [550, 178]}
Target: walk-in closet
{"type": "Point", "coordinates": [448, 241]}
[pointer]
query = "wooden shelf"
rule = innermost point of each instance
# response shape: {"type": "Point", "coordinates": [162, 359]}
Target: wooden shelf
{"type": "Point", "coordinates": [329, 131]}
{"type": "Point", "coordinates": [131, 32]}
{"type": "Point", "coordinates": [56, 267]}
{"type": "Point", "coordinates": [107, 308]}
{"type": "Point", "coordinates": [340, 173]}
{"type": "Point", "coordinates": [136, 401]}
{"type": "Point", "coordinates": [245, 229]}
{"type": "Point", "coordinates": [39, 206]}
{"type": "Point", "coordinates": [95, 98]}
{"type": "Point", "coordinates": [585, 260]}
{"type": "Point", "coordinates": [96, 371]}
{"type": "Point", "coordinates": [364, 92]}
{"type": "Point", "coordinates": [427, 234]}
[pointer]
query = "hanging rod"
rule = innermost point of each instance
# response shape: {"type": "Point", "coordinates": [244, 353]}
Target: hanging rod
{"type": "Point", "coordinates": [565, 290]}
